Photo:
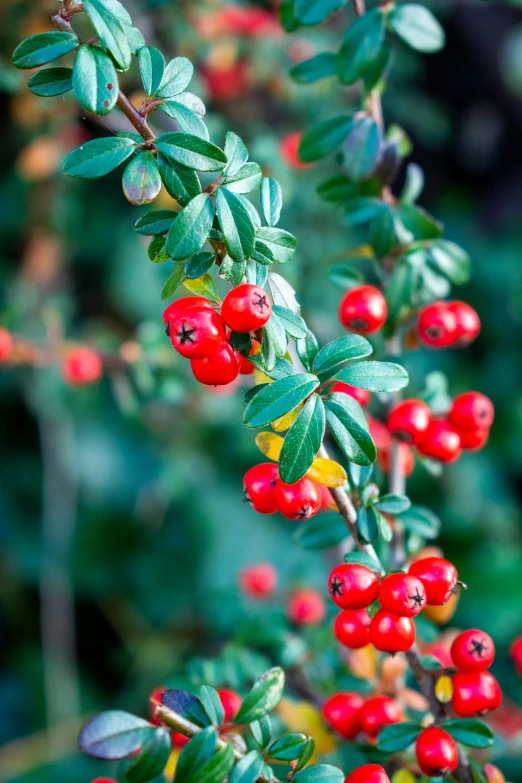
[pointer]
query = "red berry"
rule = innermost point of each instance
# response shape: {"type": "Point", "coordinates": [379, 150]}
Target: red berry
{"type": "Point", "coordinates": [471, 411]}
{"type": "Point", "coordinates": [468, 323]}
{"type": "Point", "coordinates": [185, 303]}
{"type": "Point", "coordinates": [246, 308]}
{"type": "Point", "coordinates": [104, 780]}
{"type": "Point", "coordinates": [368, 773]}
{"type": "Point", "coordinates": [306, 607]}
{"type": "Point", "coordinates": [378, 712]}
{"type": "Point", "coordinates": [437, 325]}
{"type": "Point", "coordinates": [441, 442]}
{"type": "Point", "coordinates": [260, 484]}
{"type": "Point", "coordinates": [352, 628]}
{"type": "Point", "coordinates": [258, 581]}
{"type": "Point", "coordinates": [82, 366]}
{"type": "Point", "coordinates": [289, 148]}
{"type": "Point", "coordinates": [341, 711]}
{"type": "Point", "coordinates": [231, 702]}
{"type": "Point", "coordinates": [327, 501]}
{"type": "Point", "coordinates": [363, 309]}
{"type": "Point", "coordinates": [437, 753]}
{"type": "Point", "coordinates": [409, 421]}
{"type": "Point", "coordinates": [473, 440]}
{"type": "Point", "coordinates": [179, 740]}
{"type": "Point", "coordinates": [438, 576]}
{"type": "Point", "coordinates": [219, 369]}
{"type": "Point", "coordinates": [6, 345]}
{"type": "Point", "coordinates": [402, 594]}
{"type": "Point", "coordinates": [362, 396]}
{"type": "Point", "coordinates": [391, 633]}
{"type": "Point", "coordinates": [301, 500]}
{"type": "Point", "coordinates": [196, 332]}
{"type": "Point", "coordinates": [475, 693]}
{"type": "Point", "coordinates": [515, 652]}
{"type": "Point", "coordinates": [379, 432]}
{"type": "Point", "coordinates": [406, 459]}
{"type": "Point", "coordinates": [353, 586]}
{"type": "Point", "coordinates": [472, 651]}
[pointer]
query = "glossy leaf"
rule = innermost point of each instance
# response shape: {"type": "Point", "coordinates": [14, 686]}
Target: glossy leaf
{"type": "Point", "coordinates": [367, 524]}
{"type": "Point", "coordinates": [191, 228]}
{"type": "Point", "coordinates": [375, 376]}
{"type": "Point", "coordinates": [327, 472]}
{"type": "Point", "coordinates": [363, 558]}
{"type": "Point", "coordinates": [43, 48]}
{"type": "Point", "coordinates": [191, 151]}
{"type": "Point", "coordinates": [152, 68]}
{"type": "Point", "coordinates": [152, 758]}
{"type": "Point", "coordinates": [271, 200]}
{"type": "Point", "coordinates": [318, 67]}
{"type": "Point", "coordinates": [264, 695]}
{"type": "Point", "coordinates": [200, 748]}
{"type": "Point", "coordinates": [319, 773]}
{"type": "Point", "coordinates": [216, 768]}
{"type": "Point", "coordinates": [233, 271]}
{"type": "Point", "coordinates": [154, 223]}
{"type": "Point", "coordinates": [176, 77]}
{"type": "Point", "coordinates": [110, 30]}
{"type": "Point", "coordinates": [98, 157]}
{"type": "Point", "coordinates": [291, 322]}
{"type": "Point", "coordinates": [307, 349]}
{"type": "Point", "coordinates": [174, 281]}
{"type": "Point", "coordinates": [236, 225]}
{"type": "Point", "coordinates": [306, 754]}
{"type": "Point", "coordinates": [314, 12]}
{"type": "Point", "coordinates": [417, 27]}
{"type": "Point", "coordinates": [360, 46]}
{"type": "Point", "coordinates": [400, 736]}
{"type": "Point", "coordinates": [180, 183]}
{"type": "Point", "coordinates": [345, 277]}
{"type": "Point", "coordinates": [470, 732]}
{"type": "Point", "coordinates": [156, 250]}
{"type": "Point", "coordinates": [451, 261]}
{"type": "Point", "coordinates": [350, 429]}
{"type": "Point", "coordinates": [288, 747]}
{"type": "Point", "coordinates": [281, 367]}
{"type": "Point", "coordinates": [393, 504]}
{"type": "Point", "coordinates": [141, 179]}
{"type": "Point", "coordinates": [413, 184]}
{"type": "Point", "coordinates": [262, 731]}
{"type": "Point", "coordinates": [95, 80]}
{"type": "Point", "coordinates": [203, 286]}
{"type": "Point", "coordinates": [185, 704]}
{"type": "Point", "coordinates": [281, 243]}
{"type": "Point", "coordinates": [245, 180]}
{"type": "Point", "coordinates": [212, 705]}
{"type": "Point", "coordinates": [362, 148]}
{"type": "Point", "coordinates": [247, 769]}
{"type": "Point", "coordinates": [279, 398]}
{"type": "Point", "coordinates": [421, 520]}
{"type": "Point", "coordinates": [236, 152]}
{"type": "Point", "coordinates": [114, 735]}
{"type": "Point", "coordinates": [199, 264]}
{"type": "Point", "coordinates": [50, 82]}
{"type": "Point", "coordinates": [325, 138]}
{"type": "Point", "coordinates": [188, 120]}
{"type": "Point", "coordinates": [303, 441]}
{"type": "Point", "coordinates": [335, 355]}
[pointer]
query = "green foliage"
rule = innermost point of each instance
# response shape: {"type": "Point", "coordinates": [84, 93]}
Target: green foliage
{"type": "Point", "coordinates": [43, 48]}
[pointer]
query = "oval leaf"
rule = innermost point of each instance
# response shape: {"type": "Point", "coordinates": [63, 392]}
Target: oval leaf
{"type": "Point", "coordinates": [43, 48]}
{"type": "Point", "coordinates": [264, 696]}
{"type": "Point", "coordinates": [375, 376]}
{"type": "Point", "coordinates": [191, 228]}
{"type": "Point", "coordinates": [95, 80]}
{"type": "Point", "coordinates": [278, 398]}
{"type": "Point", "coordinates": [98, 157]}
{"type": "Point", "coordinates": [114, 735]}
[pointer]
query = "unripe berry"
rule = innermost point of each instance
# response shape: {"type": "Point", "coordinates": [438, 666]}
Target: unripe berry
{"type": "Point", "coordinates": [471, 411]}
{"type": "Point", "coordinates": [438, 576]}
{"type": "Point", "coordinates": [260, 484]}
{"type": "Point", "coordinates": [231, 702]}
{"type": "Point", "coordinates": [352, 628]}
{"type": "Point", "coordinates": [246, 308]}
{"type": "Point", "coordinates": [363, 310]}
{"type": "Point", "coordinates": [475, 693]}
{"type": "Point", "coordinates": [82, 366]}
{"type": "Point", "coordinates": [219, 369]}
{"type": "Point", "coordinates": [409, 421]}
{"type": "Point", "coordinates": [472, 651]}
{"type": "Point", "coordinates": [406, 459]}
{"type": "Point", "coordinates": [301, 500]}
{"type": "Point", "coordinates": [468, 323]}
{"type": "Point", "coordinates": [402, 594]}
{"type": "Point", "coordinates": [437, 325]}
{"type": "Point", "coordinates": [353, 586]}
{"type": "Point", "coordinates": [391, 633]}
{"type": "Point", "coordinates": [362, 396]}
{"type": "Point", "coordinates": [515, 652]}
{"type": "Point", "coordinates": [306, 607]}
{"type": "Point", "coordinates": [378, 712]}
{"type": "Point", "coordinates": [6, 345]}
{"type": "Point", "coordinates": [341, 712]}
{"type": "Point", "coordinates": [258, 581]}
{"type": "Point", "coordinates": [368, 773]}
{"type": "Point", "coordinates": [185, 303]}
{"type": "Point", "coordinates": [196, 332]}
{"type": "Point", "coordinates": [437, 753]}
{"type": "Point", "coordinates": [441, 442]}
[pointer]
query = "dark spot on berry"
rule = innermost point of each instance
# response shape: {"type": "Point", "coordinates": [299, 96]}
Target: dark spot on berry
{"type": "Point", "coordinates": [359, 323]}
{"type": "Point", "coordinates": [273, 483]}
{"type": "Point", "coordinates": [185, 335]}
{"type": "Point", "coordinates": [167, 330]}
{"type": "Point", "coordinates": [482, 413]}
{"type": "Point", "coordinates": [246, 497]}
{"type": "Point", "coordinates": [261, 302]}
{"type": "Point", "coordinates": [434, 331]}
{"type": "Point", "coordinates": [336, 586]}
{"type": "Point", "coordinates": [477, 648]}
{"type": "Point", "coordinates": [405, 437]}
{"type": "Point", "coordinates": [304, 512]}
{"type": "Point", "coordinates": [418, 599]}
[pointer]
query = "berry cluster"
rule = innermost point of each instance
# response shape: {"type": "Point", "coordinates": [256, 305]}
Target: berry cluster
{"type": "Point", "coordinates": [305, 606]}
{"type": "Point", "coordinates": [350, 714]}
{"type": "Point", "coordinates": [448, 324]}
{"type": "Point", "coordinates": [354, 587]}
{"type": "Point", "coordinates": [475, 690]}
{"type": "Point", "coordinates": [199, 333]}
{"type": "Point", "coordinates": [267, 494]}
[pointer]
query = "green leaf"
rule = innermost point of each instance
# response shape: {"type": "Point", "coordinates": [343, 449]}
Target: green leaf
{"type": "Point", "coordinates": [421, 224]}
{"type": "Point", "coordinates": [360, 46]}
{"type": "Point", "coordinates": [288, 747]}
{"type": "Point", "coordinates": [203, 286]}
{"type": "Point", "coordinates": [156, 250]}
{"type": "Point", "coordinates": [271, 200]}
{"type": "Point", "coordinates": [141, 179]}
{"type": "Point", "coordinates": [233, 271]}
{"type": "Point", "coordinates": [216, 768]}
{"type": "Point", "coordinates": [377, 68]}
{"type": "Point", "coordinates": [114, 735]}
{"type": "Point", "coordinates": [421, 521]}
{"type": "Point", "coordinates": [375, 376]}
{"type": "Point", "coordinates": [98, 157]}
{"type": "Point", "coordinates": [384, 528]}
{"type": "Point", "coordinates": [152, 68]}
{"type": "Point", "coordinates": [399, 292]}
{"type": "Point", "coordinates": [174, 281]}
{"type": "Point", "coordinates": [348, 424]}
{"type": "Point", "coordinates": [247, 769]}
{"type": "Point", "coordinates": [110, 30]}
{"type": "Point", "coordinates": [362, 149]}
{"type": "Point", "coordinates": [256, 274]}
{"type": "Point", "coordinates": [362, 210]}
{"type": "Point", "coordinates": [199, 265]}
{"type": "Point", "coordinates": [180, 183]}
{"type": "Point", "coordinates": [281, 367]}
{"type": "Point", "coordinates": [337, 188]}
{"type": "Point", "coordinates": [325, 138]}
{"type": "Point", "coordinates": [236, 152]}
{"type": "Point", "coordinates": [135, 38]}
{"type": "Point", "coordinates": [291, 322]}
{"type": "Point", "coordinates": [413, 184]}
{"type": "Point", "coordinates": [245, 180]}
{"type": "Point", "coordinates": [470, 732]}
{"type": "Point", "coordinates": [307, 349]}
{"type": "Point", "coordinates": [50, 82]}
{"type": "Point", "coordinates": [43, 48]}
{"type": "Point", "coordinates": [176, 77]}
{"type": "Point", "coordinates": [212, 705]}
{"type": "Point", "coordinates": [367, 525]}
{"type": "Point", "coordinates": [417, 27]}
{"type": "Point", "coordinates": [451, 261]}
{"type": "Point", "coordinates": [188, 120]}
{"type": "Point", "coordinates": [236, 225]}
{"type": "Point", "coordinates": [277, 334]}
{"type": "Point", "coordinates": [190, 229]}
{"type": "Point", "coordinates": [185, 704]}
{"type": "Point", "coordinates": [344, 276]}
{"type": "Point", "coordinates": [306, 754]}
{"type": "Point", "coordinates": [314, 12]}
{"type": "Point", "coordinates": [281, 244]}
{"type": "Point", "coordinates": [279, 398]}
{"type": "Point", "coordinates": [321, 532]}
{"type": "Point", "coordinates": [200, 749]}
{"type": "Point", "coordinates": [152, 758]}
{"type": "Point", "coordinates": [315, 68]}
{"type": "Point", "coordinates": [302, 442]}
{"type": "Point", "coordinates": [266, 691]}
{"type": "Point", "coordinates": [154, 223]}
{"type": "Point", "coordinates": [363, 558]}
{"type": "Point", "coordinates": [397, 737]}
{"type": "Point", "coordinates": [393, 504]}
{"type": "Point", "coordinates": [333, 356]}
{"type": "Point", "coordinates": [262, 731]}
{"type": "Point", "coordinates": [191, 151]}
{"type": "Point", "coordinates": [95, 80]}
{"type": "Point", "coordinates": [319, 773]}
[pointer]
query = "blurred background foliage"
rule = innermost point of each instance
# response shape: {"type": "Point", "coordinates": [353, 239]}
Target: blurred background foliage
{"type": "Point", "coordinates": [123, 501]}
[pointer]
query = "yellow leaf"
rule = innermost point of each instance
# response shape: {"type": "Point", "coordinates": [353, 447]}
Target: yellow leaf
{"type": "Point", "coordinates": [285, 422]}
{"type": "Point", "coordinates": [403, 776]}
{"type": "Point", "coordinates": [327, 472]}
{"type": "Point", "coordinates": [203, 286]}
{"type": "Point", "coordinates": [440, 615]}
{"type": "Point", "coordinates": [363, 662]}
{"type": "Point", "coordinates": [260, 377]}
{"type": "Point", "coordinates": [444, 689]}
{"type": "Point", "coordinates": [302, 717]}
{"type": "Point", "coordinates": [269, 444]}
{"type": "Point", "coordinates": [170, 769]}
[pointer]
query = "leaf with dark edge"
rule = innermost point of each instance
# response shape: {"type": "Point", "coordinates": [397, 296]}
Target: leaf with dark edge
{"type": "Point", "coordinates": [470, 732]}
{"type": "Point", "coordinates": [212, 705]}
{"type": "Point", "coordinates": [180, 183]}
{"type": "Point", "coordinates": [362, 148]}
{"type": "Point", "coordinates": [393, 739]}
{"type": "Point", "coordinates": [318, 67]}
{"type": "Point", "coordinates": [216, 768]}
{"type": "Point", "coordinates": [360, 46]}
{"type": "Point", "coordinates": [288, 747]}
{"type": "Point", "coordinates": [185, 704]}
{"type": "Point", "coordinates": [199, 265]}
{"type": "Point", "coordinates": [141, 179]}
